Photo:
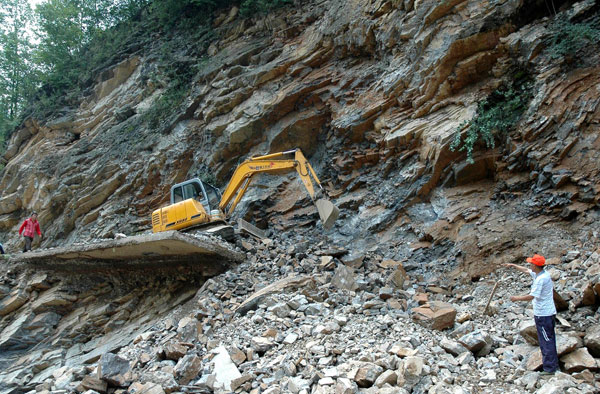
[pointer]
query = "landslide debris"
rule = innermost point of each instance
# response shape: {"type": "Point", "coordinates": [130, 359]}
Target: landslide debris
{"type": "Point", "coordinates": [301, 317]}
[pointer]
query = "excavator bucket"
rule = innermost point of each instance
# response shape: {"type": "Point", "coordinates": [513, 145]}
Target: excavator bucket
{"type": "Point", "coordinates": [328, 212]}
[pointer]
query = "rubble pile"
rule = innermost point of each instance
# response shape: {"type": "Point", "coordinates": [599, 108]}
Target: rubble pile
{"type": "Point", "coordinates": [312, 319]}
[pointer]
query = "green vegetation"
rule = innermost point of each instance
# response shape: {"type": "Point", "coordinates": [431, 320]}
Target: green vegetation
{"type": "Point", "coordinates": [568, 38]}
{"type": "Point", "coordinates": [251, 7]}
{"type": "Point", "coordinates": [51, 54]}
{"type": "Point", "coordinates": [164, 106]}
{"type": "Point", "coordinates": [496, 115]}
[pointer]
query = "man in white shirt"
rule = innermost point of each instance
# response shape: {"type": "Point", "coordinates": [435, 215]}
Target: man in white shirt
{"type": "Point", "coordinates": [544, 311]}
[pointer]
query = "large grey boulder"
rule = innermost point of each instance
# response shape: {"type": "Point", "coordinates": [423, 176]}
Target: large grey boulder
{"type": "Point", "coordinates": [113, 369]}
{"type": "Point", "coordinates": [592, 340]}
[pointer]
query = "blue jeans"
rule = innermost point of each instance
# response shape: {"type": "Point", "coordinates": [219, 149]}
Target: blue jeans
{"type": "Point", "coordinates": [545, 330]}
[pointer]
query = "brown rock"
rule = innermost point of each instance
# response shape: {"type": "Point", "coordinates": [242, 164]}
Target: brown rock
{"type": "Point", "coordinates": [92, 383]}
{"type": "Point", "coordinates": [367, 374]}
{"type": "Point", "coordinates": [463, 317]}
{"type": "Point", "coordinates": [402, 351]}
{"type": "Point", "coordinates": [592, 340]}
{"type": "Point", "coordinates": [564, 345]}
{"type": "Point", "coordinates": [353, 260]}
{"type": "Point", "coordinates": [187, 368]}
{"type": "Point", "coordinates": [529, 332]}
{"type": "Point", "coordinates": [397, 304]}
{"type": "Point", "coordinates": [327, 263]}
{"type": "Point", "coordinates": [11, 304]}
{"type": "Point", "coordinates": [588, 297]}
{"type": "Point", "coordinates": [237, 356]}
{"type": "Point", "coordinates": [175, 350]}
{"type": "Point", "coordinates": [421, 298]}
{"type": "Point", "coordinates": [435, 315]}
{"type": "Point", "coordinates": [559, 302]}
{"type": "Point", "coordinates": [237, 382]}
{"type": "Point", "coordinates": [579, 360]}
{"type": "Point", "coordinates": [585, 375]}
{"type": "Point", "coordinates": [399, 277]}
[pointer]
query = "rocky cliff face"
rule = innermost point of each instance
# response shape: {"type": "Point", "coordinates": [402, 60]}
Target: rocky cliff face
{"type": "Point", "coordinates": [373, 92]}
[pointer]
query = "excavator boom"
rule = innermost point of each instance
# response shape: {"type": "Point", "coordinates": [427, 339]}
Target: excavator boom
{"type": "Point", "coordinates": [272, 164]}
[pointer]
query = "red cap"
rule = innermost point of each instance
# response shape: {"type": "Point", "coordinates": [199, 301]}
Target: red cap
{"type": "Point", "coordinates": [537, 259]}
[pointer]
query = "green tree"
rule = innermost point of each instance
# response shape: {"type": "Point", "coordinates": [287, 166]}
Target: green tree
{"type": "Point", "coordinates": [61, 34]}
{"type": "Point", "coordinates": [15, 61]}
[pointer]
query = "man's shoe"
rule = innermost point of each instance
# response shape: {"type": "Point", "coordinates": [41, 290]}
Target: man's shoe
{"type": "Point", "coordinates": [547, 373]}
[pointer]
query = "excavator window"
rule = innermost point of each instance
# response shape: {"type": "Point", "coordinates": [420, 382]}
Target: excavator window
{"type": "Point", "coordinates": [193, 190]}
{"type": "Point", "coordinates": [214, 197]}
{"type": "Point", "coordinates": [177, 194]}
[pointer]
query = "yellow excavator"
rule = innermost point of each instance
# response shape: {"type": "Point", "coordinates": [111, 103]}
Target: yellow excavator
{"type": "Point", "coordinates": [195, 203]}
{"type": "Point", "coordinates": [195, 206]}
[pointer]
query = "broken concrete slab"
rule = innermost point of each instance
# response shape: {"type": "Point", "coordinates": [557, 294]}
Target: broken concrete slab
{"type": "Point", "coordinates": [251, 229]}
{"type": "Point", "coordinates": [162, 250]}
{"type": "Point", "coordinates": [252, 301]}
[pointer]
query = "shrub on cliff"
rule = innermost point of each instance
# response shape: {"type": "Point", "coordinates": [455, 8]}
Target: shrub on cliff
{"type": "Point", "coordinates": [496, 115]}
{"type": "Point", "coordinates": [568, 38]}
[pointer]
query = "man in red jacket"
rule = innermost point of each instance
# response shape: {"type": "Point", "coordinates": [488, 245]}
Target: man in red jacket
{"type": "Point", "coordinates": [31, 226]}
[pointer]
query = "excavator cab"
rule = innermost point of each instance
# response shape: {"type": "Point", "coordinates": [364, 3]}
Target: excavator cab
{"type": "Point", "coordinates": [193, 203]}
{"type": "Point", "coordinates": [205, 193]}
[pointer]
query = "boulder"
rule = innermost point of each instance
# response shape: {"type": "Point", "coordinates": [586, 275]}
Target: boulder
{"type": "Point", "coordinates": [113, 369]}
{"type": "Point", "coordinates": [387, 377]}
{"type": "Point", "coordinates": [225, 369]}
{"type": "Point", "coordinates": [476, 341]}
{"type": "Point", "coordinates": [588, 296]}
{"type": "Point", "coordinates": [559, 302]}
{"type": "Point", "coordinates": [411, 371]}
{"type": "Point", "coordinates": [398, 278]}
{"type": "Point", "coordinates": [261, 344]}
{"type": "Point", "coordinates": [452, 347]}
{"type": "Point", "coordinates": [367, 374]}
{"type": "Point", "coordinates": [591, 340]}
{"type": "Point", "coordinates": [187, 368]}
{"type": "Point", "coordinates": [579, 360]}
{"type": "Point", "coordinates": [557, 385]}
{"type": "Point", "coordinates": [529, 332]}
{"type": "Point", "coordinates": [165, 380]}
{"type": "Point", "coordinates": [343, 278]}
{"type": "Point", "coordinates": [435, 315]}
{"type": "Point", "coordinates": [564, 345]}
{"type": "Point", "coordinates": [93, 383]}
{"type": "Point", "coordinates": [175, 350]}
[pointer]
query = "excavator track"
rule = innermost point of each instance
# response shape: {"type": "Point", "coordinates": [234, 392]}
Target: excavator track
{"type": "Point", "coordinates": [215, 229]}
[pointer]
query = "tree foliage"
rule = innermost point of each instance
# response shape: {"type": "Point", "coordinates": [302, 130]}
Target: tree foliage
{"type": "Point", "coordinates": [15, 61]}
{"type": "Point", "coordinates": [49, 54]}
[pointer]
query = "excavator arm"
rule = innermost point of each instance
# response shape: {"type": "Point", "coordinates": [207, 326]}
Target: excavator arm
{"type": "Point", "coordinates": [273, 164]}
